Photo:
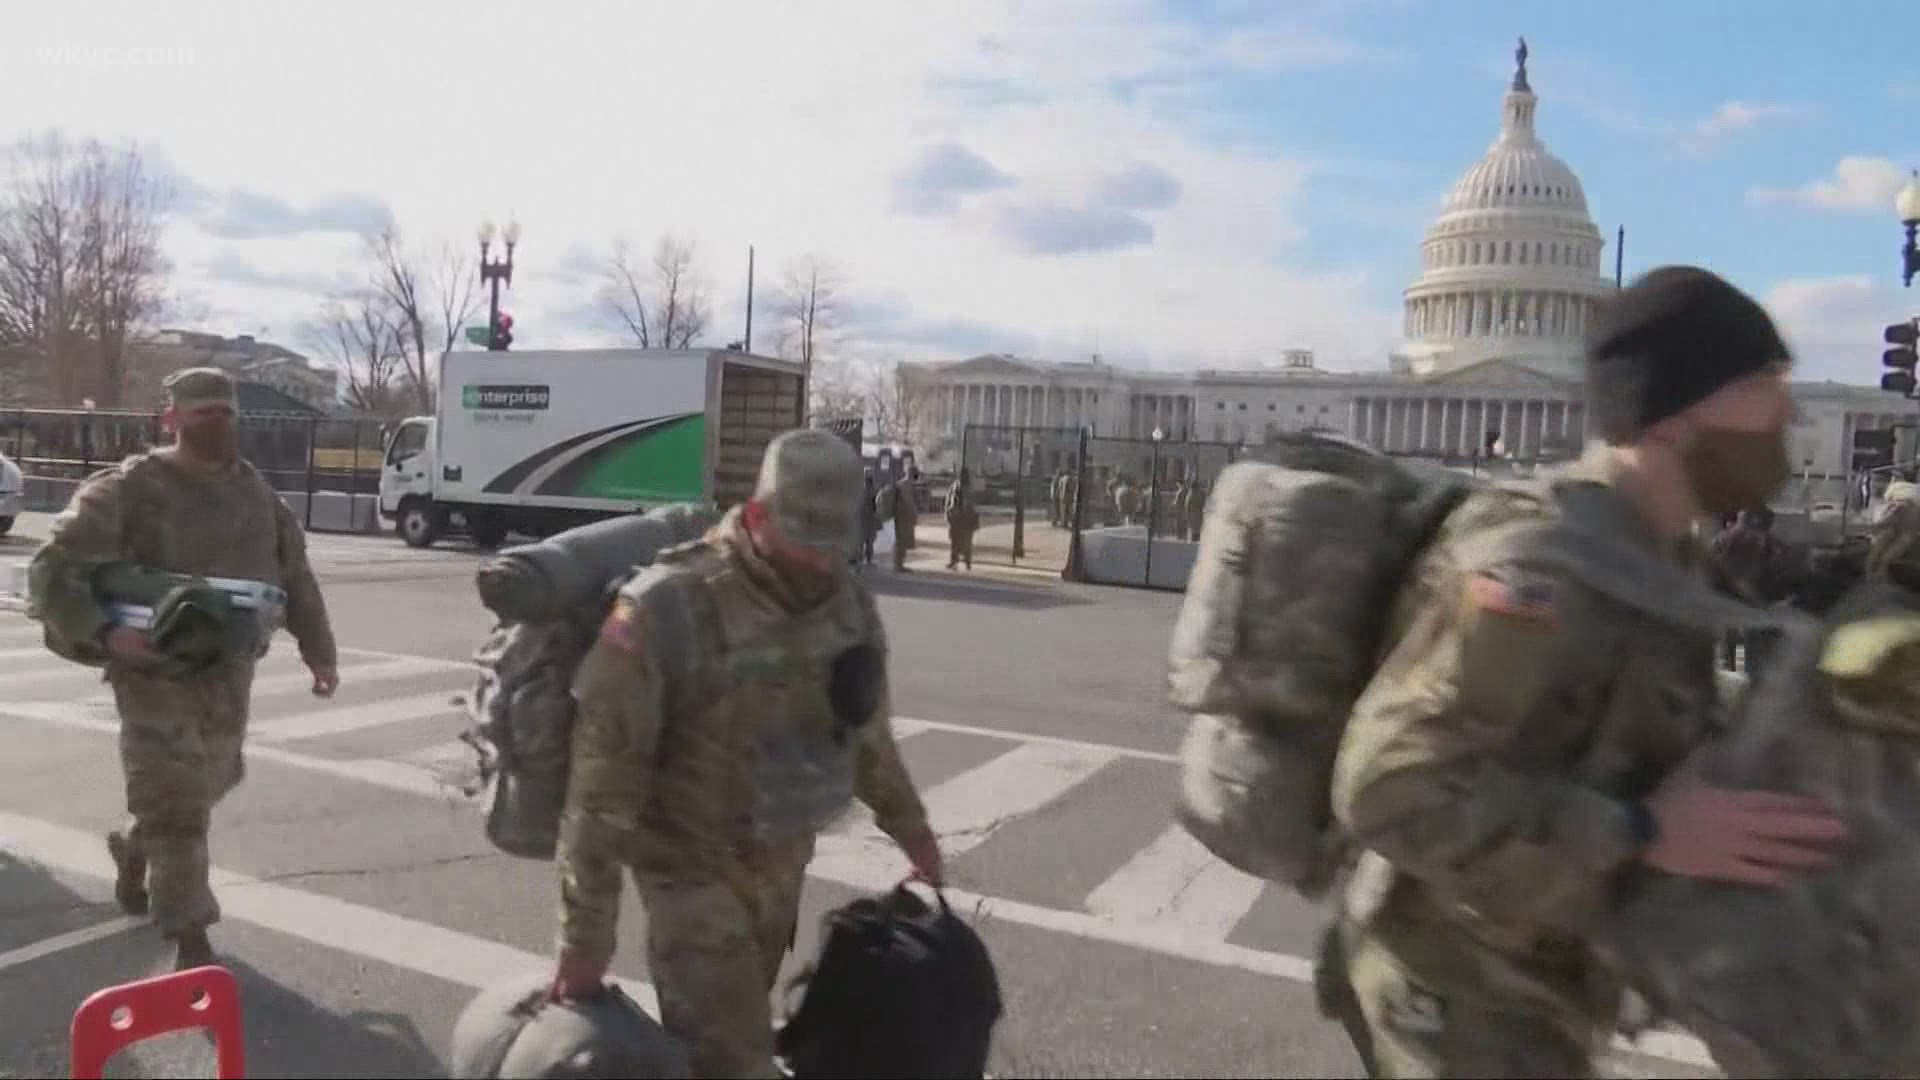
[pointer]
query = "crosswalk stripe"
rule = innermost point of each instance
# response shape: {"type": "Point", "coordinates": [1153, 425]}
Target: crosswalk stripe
{"type": "Point", "coordinates": [967, 809]}
{"type": "Point", "coordinates": [295, 677]}
{"type": "Point", "coordinates": [1177, 880]}
{"type": "Point", "coordinates": [337, 721]}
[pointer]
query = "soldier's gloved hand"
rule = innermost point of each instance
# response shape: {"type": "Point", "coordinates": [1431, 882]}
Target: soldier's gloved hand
{"type": "Point", "coordinates": [1745, 837]}
{"type": "Point", "coordinates": [577, 978]}
{"type": "Point", "coordinates": [922, 849]}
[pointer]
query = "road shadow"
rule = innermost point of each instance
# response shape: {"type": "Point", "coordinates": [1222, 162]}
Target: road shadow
{"type": "Point", "coordinates": [286, 1033]}
{"type": "Point", "coordinates": [956, 587]}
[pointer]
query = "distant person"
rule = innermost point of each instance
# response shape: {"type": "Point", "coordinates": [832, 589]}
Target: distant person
{"type": "Point", "coordinates": [869, 521]}
{"type": "Point", "coordinates": [901, 505]}
{"type": "Point", "coordinates": [963, 519]}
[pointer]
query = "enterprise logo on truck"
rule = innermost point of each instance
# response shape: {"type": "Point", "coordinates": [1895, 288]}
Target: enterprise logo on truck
{"type": "Point", "coordinates": [505, 397]}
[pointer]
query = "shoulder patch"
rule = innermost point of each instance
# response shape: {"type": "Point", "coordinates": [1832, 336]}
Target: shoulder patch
{"type": "Point", "coordinates": [1530, 600]}
{"type": "Point", "coordinates": [625, 627]}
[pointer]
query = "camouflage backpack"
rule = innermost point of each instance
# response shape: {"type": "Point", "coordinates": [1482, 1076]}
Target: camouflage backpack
{"type": "Point", "coordinates": [522, 704]}
{"type": "Point", "coordinates": [1299, 558]}
{"type": "Point", "coordinates": [1286, 620]}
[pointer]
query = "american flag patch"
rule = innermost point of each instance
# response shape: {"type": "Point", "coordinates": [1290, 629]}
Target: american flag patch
{"type": "Point", "coordinates": [1532, 600]}
{"type": "Point", "coordinates": [623, 628]}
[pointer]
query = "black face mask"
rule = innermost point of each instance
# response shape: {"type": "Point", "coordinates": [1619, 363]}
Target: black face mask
{"type": "Point", "coordinates": [1737, 470]}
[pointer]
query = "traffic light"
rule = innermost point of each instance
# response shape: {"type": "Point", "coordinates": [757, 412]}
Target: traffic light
{"type": "Point", "coordinates": [1901, 358]}
{"type": "Point", "coordinates": [503, 332]}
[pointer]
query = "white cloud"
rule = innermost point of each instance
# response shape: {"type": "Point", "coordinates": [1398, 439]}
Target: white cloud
{"type": "Point", "coordinates": [1834, 325]}
{"type": "Point", "coordinates": [785, 127]}
{"type": "Point", "coordinates": [1735, 118]}
{"type": "Point", "coordinates": [1859, 185]}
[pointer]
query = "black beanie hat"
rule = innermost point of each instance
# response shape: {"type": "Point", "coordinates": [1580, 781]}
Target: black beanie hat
{"type": "Point", "coordinates": [1668, 341]}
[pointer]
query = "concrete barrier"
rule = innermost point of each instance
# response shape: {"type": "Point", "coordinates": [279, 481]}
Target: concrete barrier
{"type": "Point", "coordinates": [333, 511]}
{"type": "Point", "coordinates": [1118, 556]}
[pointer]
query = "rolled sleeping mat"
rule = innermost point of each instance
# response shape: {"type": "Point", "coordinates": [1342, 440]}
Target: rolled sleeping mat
{"type": "Point", "coordinates": [569, 572]}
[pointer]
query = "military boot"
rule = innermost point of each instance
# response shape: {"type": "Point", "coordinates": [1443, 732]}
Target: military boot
{"type": "Point", "coordinates": [192, 950]}
{"type": "Point", "coordinates": [130, 877]}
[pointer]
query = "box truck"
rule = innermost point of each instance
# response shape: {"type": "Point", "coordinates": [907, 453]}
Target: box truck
{"type": "Point", "coordinates": [537, 442]}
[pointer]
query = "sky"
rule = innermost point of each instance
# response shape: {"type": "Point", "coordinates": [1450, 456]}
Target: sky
{"type": "Point", "coordinates": [1171, 185]}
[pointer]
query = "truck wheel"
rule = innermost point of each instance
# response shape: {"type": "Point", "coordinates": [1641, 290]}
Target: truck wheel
{"type": "Point", "coordinates": [6, 525]}
{"type": "Point", "coordinates": [420, 523]}
{"type": "Point", "coordinates": [489, 531]}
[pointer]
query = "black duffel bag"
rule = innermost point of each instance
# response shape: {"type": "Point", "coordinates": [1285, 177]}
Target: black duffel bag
{"type": "Point", "coordinates": [900, 989]}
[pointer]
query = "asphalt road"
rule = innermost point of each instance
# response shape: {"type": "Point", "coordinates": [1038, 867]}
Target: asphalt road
{"type": "Point", "coordinates": [364, 906]}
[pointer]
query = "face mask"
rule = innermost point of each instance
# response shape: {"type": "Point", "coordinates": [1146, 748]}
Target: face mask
{"type": "Point", "coordinates": [211, 440]}
{"type": "Point", "coordinates": [1737, 470]}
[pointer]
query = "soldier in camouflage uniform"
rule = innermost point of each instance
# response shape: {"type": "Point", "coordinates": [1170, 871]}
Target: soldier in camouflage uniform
{"type": "Point", "coordinates": [1512, 761]}
{"type": "Point", "coordinates": [192, 508]}
{"type": "Point", "coordinates": [736, 700]}
{"type": "Point", "coordinates": [1894, 556]}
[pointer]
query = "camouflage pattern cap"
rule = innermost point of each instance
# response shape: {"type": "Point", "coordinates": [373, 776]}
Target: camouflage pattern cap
{"type": "Point", "coordinates": [200, 386]}
{"type": "Point", "coordinates": [810, 483]}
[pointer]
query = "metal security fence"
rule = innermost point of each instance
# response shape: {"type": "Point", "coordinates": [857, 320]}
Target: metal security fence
{"type": "Point", "coordinates": [1016, 477]}
{"type": "Point", "coordinates": [1140, 506]}
{"type": "Point", "coordinates": [299, 454]}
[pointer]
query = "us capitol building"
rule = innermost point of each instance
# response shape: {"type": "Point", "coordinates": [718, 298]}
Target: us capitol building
{"type": "Point", "coordinates": [1511, 271]}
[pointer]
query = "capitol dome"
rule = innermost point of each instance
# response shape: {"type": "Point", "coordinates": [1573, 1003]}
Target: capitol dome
{"type": "Point", "coordinates": [1512, 267]}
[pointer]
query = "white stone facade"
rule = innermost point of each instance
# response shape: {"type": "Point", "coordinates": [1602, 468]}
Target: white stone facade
{"type": "Point", "coordinates": [1512, 267]}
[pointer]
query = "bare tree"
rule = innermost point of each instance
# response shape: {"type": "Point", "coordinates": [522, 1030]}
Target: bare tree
{"type": "Point", "coordinates": [80, 265]}
{"type": "Point", "coordinates": [663, 306]}
{"type": "Point", "coordinates": [809, 309]}
{"type": "Point", "coordinates": [902, 407]}
{"type": "Point", "coordinates": [682, 303]}
{"type": "Point", "coordinates": [839, 389]}
{"type": "Point", "coordinates": [624, 292]}
{"type": "Point", "coordinates": [429, 299]}
{"type": "Point", "coordinates": [359, 335]}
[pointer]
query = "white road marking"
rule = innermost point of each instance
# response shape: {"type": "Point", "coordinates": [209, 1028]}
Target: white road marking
{"type": "Point", "coordinates": [917, 724]}
{"type": "Point", "coordinates": [335, 924]}
{"type": "Point", "coordinates": [967, 809]}
{"type": "Point", "coordinates": [862, 859]}
{"type": "Point", "coordinates": [24, 651]}
{"type": "Point", "coordinates": [1177, 880]}
{"type": "Point", "coordinates": [72, 939]}
{"type": "Point", "coordinates": [340, 720]}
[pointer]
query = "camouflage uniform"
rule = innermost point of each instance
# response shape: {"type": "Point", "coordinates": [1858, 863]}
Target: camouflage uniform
{"type": "Point", "coordinates": [1487, 770]}
{"type": "Point", "coordinates": [905, 514]}
{"type": "Point", "coordinates": [709, 750]}
{"type": "Point", "coordinates": [1194, 509]}
{"type": "Point", "coordinates": [963, 519]}
{"type": "Point", "coordinates": [180, 738]}
{"type": "Point", "coordinates": [1895, 554]}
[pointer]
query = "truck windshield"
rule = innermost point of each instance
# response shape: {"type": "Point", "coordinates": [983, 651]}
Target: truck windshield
{"type": "Point", "coordinates": [408, 441]}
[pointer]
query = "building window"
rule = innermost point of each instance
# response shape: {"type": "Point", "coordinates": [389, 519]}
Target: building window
{"type": "Point", "coordinates": [1303, 408]}
{"type": "Point", "coordinates": [1506, 251]}
{"type": "Point", "coordinates": [1219, 404]}
{"type": "Point", "coordinates": [1219, 433]}
{"type": "Point", "coordinates": [1523, 254]}
{"type": "Point", "coordinates": [1243, 406]}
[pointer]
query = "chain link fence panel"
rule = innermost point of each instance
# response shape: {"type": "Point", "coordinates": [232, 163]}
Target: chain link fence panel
{"type": "Point", "coordinates": [301, 456]}
{"type": "Point", "coordinates": [1141, 504]}
{"type": "Point", "coordinates": [1015, 475]}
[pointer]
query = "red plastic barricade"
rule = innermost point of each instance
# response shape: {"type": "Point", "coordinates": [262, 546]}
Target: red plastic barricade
{"type": "Point", "coordinates": [119, 1016]}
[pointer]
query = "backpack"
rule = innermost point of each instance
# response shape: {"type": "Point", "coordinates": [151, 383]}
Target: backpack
{"type": "Point", "coordinates": [522, 704]}
{"type": "Point", "coordinates": [1287, 616]}
{"type": "Point", "coordinates": [899, 990]}
{"type": "Point", "coordinates": [1285, 612]}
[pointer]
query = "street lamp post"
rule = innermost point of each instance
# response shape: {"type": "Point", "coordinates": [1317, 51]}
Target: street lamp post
{"type": "Point", "coordinates": [1907, 206]}
{"type": "Point", "coordinates": [1153, 499]}
{"type": "Point", "coordinates": [495, 271]}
